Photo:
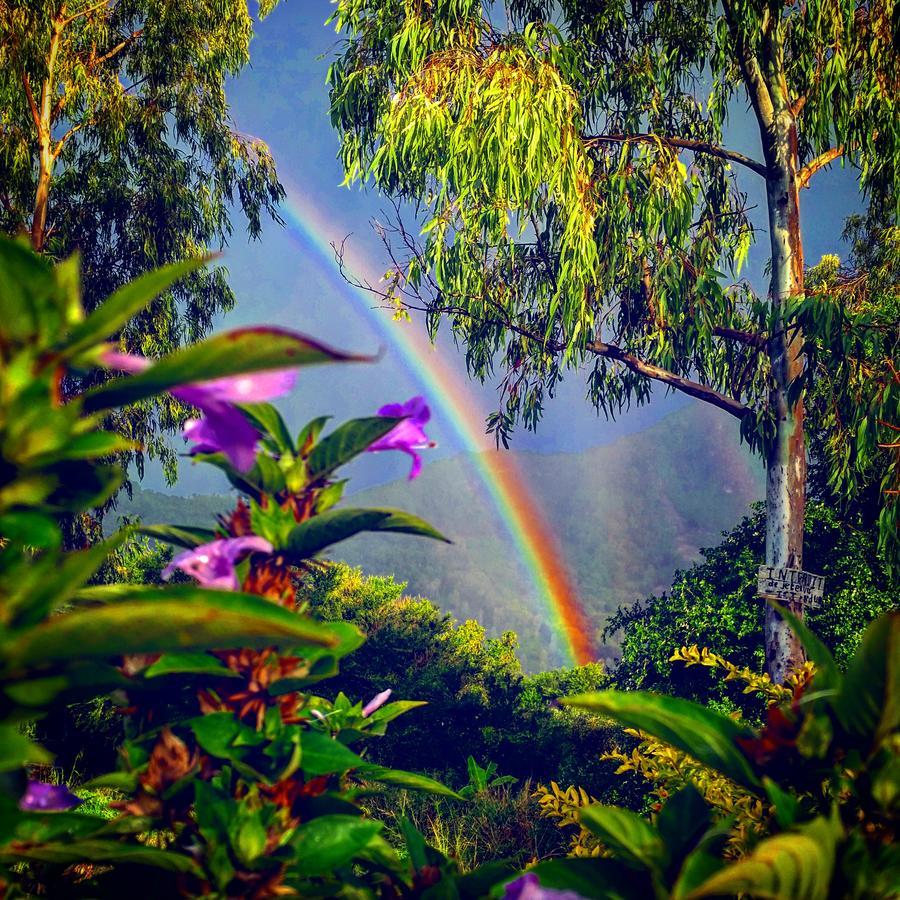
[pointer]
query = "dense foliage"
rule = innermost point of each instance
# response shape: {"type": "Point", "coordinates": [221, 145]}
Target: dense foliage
{"type": "Point", "coordinates": [246, 784]}
{"type": "Point", "coordinates": [714, 605]}
{"type": "Point", "coordinates": [576, 207]}
{"type": "Point", "coordinates": [474, 686]}
{"type": "Point", "coordinates": [116, 140]}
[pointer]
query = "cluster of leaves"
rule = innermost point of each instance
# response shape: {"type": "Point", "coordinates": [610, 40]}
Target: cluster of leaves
{"type": "Point", "coordinates": [564, 808]}
{"type": "Point", "coordinates": [474, 686]}
{"type": "Point", "coordinates": [116, 139]}
{"type": "Point", "coordinates": [714, 604]}
{"type": "Point", "coordinates": [825, 761]}
{"type": "Point", "coordinates": [247, 778]}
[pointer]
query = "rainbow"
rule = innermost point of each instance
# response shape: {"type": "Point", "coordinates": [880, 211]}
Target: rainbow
{"type": "Point", "coordinates": [449, 392]}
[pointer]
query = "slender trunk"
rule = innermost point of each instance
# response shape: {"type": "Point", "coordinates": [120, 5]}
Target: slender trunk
{"type": "Point", "coordinates": [786, 463]}
{"type": "Point", "coordinates": [41, 201]}
{"type": "Point", "coordinates": [44, 127]}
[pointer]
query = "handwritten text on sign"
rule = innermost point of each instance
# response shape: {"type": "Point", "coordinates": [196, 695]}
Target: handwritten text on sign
{"type": "Point", "coordinates": [791, 585]}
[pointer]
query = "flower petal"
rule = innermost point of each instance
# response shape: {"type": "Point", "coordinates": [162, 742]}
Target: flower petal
{"type": "Point", "coordinates": [42, 797]}
{"type": "Point", "coordinates": [376, 703]}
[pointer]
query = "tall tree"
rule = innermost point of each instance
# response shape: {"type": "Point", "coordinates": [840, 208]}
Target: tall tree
{"type": "Point", "coordinates": [116, 140]}
{"type": "Point", "coordinates": [580, 206]}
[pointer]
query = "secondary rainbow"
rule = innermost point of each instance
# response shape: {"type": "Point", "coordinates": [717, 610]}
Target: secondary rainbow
{"type": "Point", "coordinates": [449, 393]}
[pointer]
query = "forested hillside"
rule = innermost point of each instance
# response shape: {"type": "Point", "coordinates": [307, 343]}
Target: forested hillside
{"type": "Point", "coordinates": [629, 514]}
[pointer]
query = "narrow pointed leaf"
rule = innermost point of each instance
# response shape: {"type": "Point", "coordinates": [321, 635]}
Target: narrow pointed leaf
{"type": "Point", "coordinates": [177, 618]}
{"type": "Point", "coordinates": [120, 307]}
{"type": "Point", "coordinates": [412, 780]}
{"type": "Point", "coordinates": [346, 442]}
{"type": "Point", "coordinates": [268, 420]}
{"type": "Point", "coordinates": [237, 352]}
{"type": "Point", "coordinates": [334, 525]}
{"type": "Point", "coordinates": [706, 735]}
{"type": "Point", "coordinates": [181, 535]}
{"type": "Point", "coordinates": [631, 835]}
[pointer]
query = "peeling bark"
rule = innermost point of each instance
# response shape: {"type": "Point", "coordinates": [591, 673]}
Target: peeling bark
{"type": "Point", "coordinates": [786, 462]}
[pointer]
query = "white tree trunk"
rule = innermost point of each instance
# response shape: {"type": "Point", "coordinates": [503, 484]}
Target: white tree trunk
{"type": "Point", "coordinates": [786, 463]}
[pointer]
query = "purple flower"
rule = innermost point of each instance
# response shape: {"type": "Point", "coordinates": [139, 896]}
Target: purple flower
{"type": "Point", "coordinates": [409, 435]}
{"type": "Point", "coordinates": [224, 428]}
{"type": "Point", "coordinates": [527, 887]}
{"type": "Point", "coordinates": [213, 564]}
{"type": "Point", "coordinates": [42, 797]}
{"type": "Point", "coordinates": [376, 703]}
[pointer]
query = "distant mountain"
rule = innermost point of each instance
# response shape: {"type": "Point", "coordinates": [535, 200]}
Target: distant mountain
{"type": "Point", "coordinates": [627, 514]}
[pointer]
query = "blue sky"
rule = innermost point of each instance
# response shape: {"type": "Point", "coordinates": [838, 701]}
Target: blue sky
{"type": "Point", "coordinates": [282, 98]}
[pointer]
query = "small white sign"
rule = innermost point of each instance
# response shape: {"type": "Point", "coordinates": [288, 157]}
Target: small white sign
{"type": "Point", "coordinates": [790, 585]}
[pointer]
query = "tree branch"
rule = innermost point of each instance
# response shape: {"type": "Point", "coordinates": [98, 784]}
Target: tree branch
{"type": "Point", "coordinates": [117, 49]}
{"type": "Point", "coordinates": [685, 385]}
{"type": "Point", "coordinates": [32, 103]}
{"type": "Point", "coordinates": [84, 12]}
{"type": "Point", "coordinates": [741, 337]}
{"type": "Point", "coordinates": [680, 144]}
{"type": "Point", "coordinates": [813, 166]}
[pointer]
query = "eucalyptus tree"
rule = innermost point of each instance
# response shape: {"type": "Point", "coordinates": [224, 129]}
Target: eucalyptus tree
{"type": "Point", "coordinates": [116, 140]}
{"type": "Point", "coordinates": [577, 204]}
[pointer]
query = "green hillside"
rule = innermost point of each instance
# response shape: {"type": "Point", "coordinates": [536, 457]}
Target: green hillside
{"type": "Point", "coordinates": [627, 514]}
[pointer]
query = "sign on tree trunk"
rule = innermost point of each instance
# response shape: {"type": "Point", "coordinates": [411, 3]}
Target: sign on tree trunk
{"type": "Point", "coordinates": [790, 586]}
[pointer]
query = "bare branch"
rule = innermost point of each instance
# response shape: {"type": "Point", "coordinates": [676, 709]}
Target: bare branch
{"type": "Point", "coordinates": [756, 341]}
{"type": "Point", "coordinates": [813, 166]}
{"type": "Point", "coordinates": [84, 12]}
{"type": "Point", "coordinates": [32, 104]}
{"type": "Point", "coordinates": [118, 48]}
{"type": "Point", "coordinates": [679, 383]}
{"type": "Point", "coordinates": [679, 143]}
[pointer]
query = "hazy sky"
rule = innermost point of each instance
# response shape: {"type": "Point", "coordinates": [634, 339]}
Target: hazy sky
{"type": "Point", "coordinates": [282, 98]}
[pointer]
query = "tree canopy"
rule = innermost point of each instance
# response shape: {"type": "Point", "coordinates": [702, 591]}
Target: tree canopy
{"type": "Point", "coordinates": [116, 140]}
{"type": "Point", "coordinates": [580, 207]}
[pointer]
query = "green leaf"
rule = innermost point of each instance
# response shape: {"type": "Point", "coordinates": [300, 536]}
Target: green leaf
{"type": "Point", "coordinates": [828, 676]}
{"type": "Point", "coordinates": [682, 822]}
{"type": "Point", "coordinates": [98, 850]}
{"type": "Point", "coordinates": [32, 529]}
{"type": "Point", "coordinates": [869, 700]}
{"type": "Point", "coordinates": [794, 866]}
{"type": "Point", "coordinates": [704, 734]}
{"type": "Point", "coordinates": [632, 836]}
{"type": "Point", "coordinates": [347, 442]}
{"type": "Point", "coordinates": [222, 735]}
{"type": "Point", "coordinates": [314, 535]}
{"type": "Point", "coordinates": [179, 617]}
{"type": "Point", "coordinates": [322, 755]}
{"type": "Point", "coordinates": [120, 307]}
{"type": "Point", "coordinates": [269, 421]}
{"type": "Point", "coordinates": [188, 664]}
{"type": "Point", "coordinates": [237, 352]}
{"type": "Point", "coordinates": [411, 780]}
{"type": "Point", "coordinates": [331, 842]}
{"type": "Point", "coordinates": [17, 751]}
{"type": "Point", "coordinates": [181, 535]}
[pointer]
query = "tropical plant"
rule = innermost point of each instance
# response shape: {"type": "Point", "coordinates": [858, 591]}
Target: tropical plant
{"type": "Point", "coordinates": [116, 140]}
{"type": "Point", "coordinates": [483, 778]}
{"type": "Point", "coordinates": [580, 209]}
{"type": "Point", "coordinates": [714, 604]}
{"type": "Point", "coordinates": [473, 684]}
{"type": "Point", "coordinates": [826, 762]}
{"type": "Point", "coordinates": [234, 779]}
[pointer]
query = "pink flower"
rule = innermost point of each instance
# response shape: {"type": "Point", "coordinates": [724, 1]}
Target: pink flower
{"type": "Point", "coordinates": [213, 564]}
{"type": "Point", "coordinates": [224, 428]}
{"type": "Point", "coordinates": [42, 797]}
{"type": "Point", "coordinates": [376, 703]}
{"type": "Point", "coordinates": [409, 435]}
